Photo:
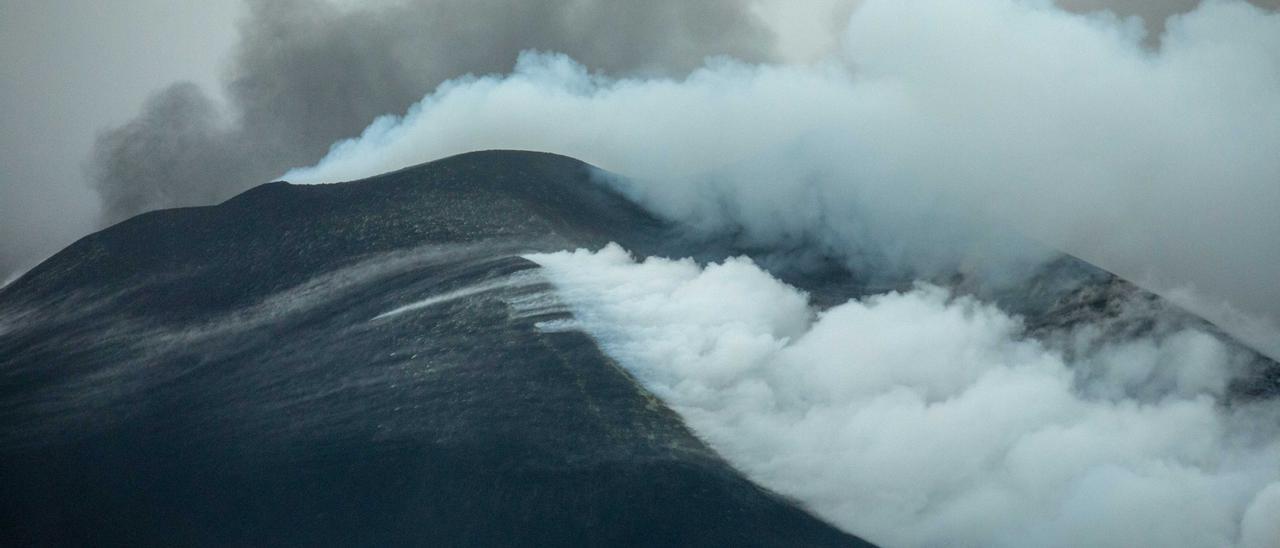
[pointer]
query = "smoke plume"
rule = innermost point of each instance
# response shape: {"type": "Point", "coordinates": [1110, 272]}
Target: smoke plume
{"type": "Point", "coordinates": [306, 74]}
{"type": "Point", "coordinates": [938, 130]}
{"type": "Point", "coordinates": [978, 437]}
{"type": "Point", "coordinates": [917, 138]}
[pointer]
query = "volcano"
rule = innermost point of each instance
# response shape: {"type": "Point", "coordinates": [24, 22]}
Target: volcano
{"type": "Point", "coordinates": [363, 363]}
{"type": "Point", "coordinates": [224, 376]}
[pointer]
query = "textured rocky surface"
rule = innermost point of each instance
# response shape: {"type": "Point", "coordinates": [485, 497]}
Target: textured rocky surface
{"type": "Point", "coordinates": [361, 364]}
{"type": "Point", "coordinates": [241, 375]}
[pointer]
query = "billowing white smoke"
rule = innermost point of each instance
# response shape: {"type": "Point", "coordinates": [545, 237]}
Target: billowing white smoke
{"type": "Point", "coordinates": [922, 419]}
{"type": "Point", "coordinates": [1160, 165]}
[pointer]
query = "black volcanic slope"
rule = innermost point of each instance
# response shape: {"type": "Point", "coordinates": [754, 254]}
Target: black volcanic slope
{"type": "Point", "coordinates": [224, 376]}
{"type": "Point", "coordinates": [361, 364]}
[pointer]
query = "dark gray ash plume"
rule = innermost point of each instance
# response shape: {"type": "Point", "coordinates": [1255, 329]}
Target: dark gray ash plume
{"type": "Point", "coordinates": [306, 74]}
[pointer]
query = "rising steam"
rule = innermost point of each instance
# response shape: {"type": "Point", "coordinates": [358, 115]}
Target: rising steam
{"type": "Point", "coordinates": [941, 137]}
{"type": "Point", "coordinates": [921, 419]}
{"type": "Point", "coordinates": [939, 126]}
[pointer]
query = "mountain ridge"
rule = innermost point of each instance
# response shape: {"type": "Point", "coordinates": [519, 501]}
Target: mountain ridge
{"type": "Point", "coordinates": [361, 363]}
{"type": "Point", "coordinates": [231, 375]}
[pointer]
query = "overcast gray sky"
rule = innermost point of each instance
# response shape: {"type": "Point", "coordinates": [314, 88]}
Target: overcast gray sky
{"type": "Point", "coordinates": [69, 68]}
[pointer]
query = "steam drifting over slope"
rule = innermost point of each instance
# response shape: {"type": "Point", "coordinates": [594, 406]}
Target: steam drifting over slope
{"type": "Point", "coordinates": [1158, 165]}
{"type": "Point", "coordinates": [977, 437]}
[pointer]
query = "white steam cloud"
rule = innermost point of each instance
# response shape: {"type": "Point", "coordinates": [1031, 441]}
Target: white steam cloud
{"type": "Point", "coordinates": [938, 125]}
{"type": "Point", "coordinates": [923, 419]}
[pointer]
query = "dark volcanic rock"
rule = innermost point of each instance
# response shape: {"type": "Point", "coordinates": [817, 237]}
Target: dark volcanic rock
{"type": "Point", "coordinates": [362, 364]}
{"type": "Point", "coordinates": [226, 376]}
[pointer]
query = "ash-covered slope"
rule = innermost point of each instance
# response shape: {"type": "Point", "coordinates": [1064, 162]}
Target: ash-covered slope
{"type": "Point", "coordinates": [352, 364]}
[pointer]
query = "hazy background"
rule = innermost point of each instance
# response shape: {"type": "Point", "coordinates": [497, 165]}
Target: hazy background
{"type": "Point", "coordinates": [69, 69]}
